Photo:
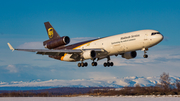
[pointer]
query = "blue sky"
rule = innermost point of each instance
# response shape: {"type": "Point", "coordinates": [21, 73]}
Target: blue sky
{"type": "Point", "coordinates": [21, 24]}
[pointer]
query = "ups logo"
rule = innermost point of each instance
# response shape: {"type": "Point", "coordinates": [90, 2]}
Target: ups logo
{"type": "Point", "coordinates": [50, 32]}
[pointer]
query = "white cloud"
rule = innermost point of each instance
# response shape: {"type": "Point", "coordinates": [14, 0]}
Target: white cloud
{"type": "Point", "coordinates": [52, 70]}
{"type": "Point", "coordinates": [99, 75]}
{"type": "Point", "coordinates": [32, 45]}
{"type": "Point", "coordinates": [12, 69]}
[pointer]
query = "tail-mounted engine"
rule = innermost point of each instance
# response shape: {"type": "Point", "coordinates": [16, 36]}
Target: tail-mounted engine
{"type": "Point", "coordinates": [89, 54]}
{"type": "Point", "coordinates": [60, 41]}
{"type": "Point", "coordinates": [129, 55]}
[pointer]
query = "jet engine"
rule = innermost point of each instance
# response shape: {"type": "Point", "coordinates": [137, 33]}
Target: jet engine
{"type": "Point", "coordinates": [50, 44]}
{"type": "Point", "coordinates": [89, 54]}
{"type": "Point", "coordinates": [129, 55]}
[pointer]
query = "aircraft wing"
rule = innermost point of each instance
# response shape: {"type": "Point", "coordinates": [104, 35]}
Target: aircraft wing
{"type": "Point", "coordinates": [53, 52]}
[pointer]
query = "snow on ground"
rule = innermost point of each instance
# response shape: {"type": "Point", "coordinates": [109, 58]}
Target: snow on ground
{"type": "Point", "coordinates": [90, 98]}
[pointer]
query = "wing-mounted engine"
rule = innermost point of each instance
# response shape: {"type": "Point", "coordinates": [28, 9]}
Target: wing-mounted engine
{"type": "Point", "coordinates": [129, 55]}
{"type": "Point", "coordinates": [60, 41]}
{"type": "Point", "coordinates": [89, 54]}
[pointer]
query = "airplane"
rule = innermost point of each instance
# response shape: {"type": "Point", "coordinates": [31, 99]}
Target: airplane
{"type": "Point", "coordinates": [125, 44]}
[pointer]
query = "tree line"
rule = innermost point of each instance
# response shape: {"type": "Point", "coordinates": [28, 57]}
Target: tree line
{"type": "Point", "coordinates": [52, 92]}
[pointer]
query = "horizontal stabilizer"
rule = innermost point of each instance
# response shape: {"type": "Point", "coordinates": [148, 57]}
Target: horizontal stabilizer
{"type": "Point", "coordinates": [11, 48]}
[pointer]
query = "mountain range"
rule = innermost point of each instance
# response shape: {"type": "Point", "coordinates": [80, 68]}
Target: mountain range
{"type": "Point", "coordinates": [109, 82]}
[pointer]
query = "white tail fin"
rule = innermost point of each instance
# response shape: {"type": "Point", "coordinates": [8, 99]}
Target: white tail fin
{"type": "Point", "coordinates": [11, 48]}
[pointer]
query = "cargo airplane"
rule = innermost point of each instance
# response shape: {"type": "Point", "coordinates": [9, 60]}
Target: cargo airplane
{"type": "Point", "coordinates": [125, 44]}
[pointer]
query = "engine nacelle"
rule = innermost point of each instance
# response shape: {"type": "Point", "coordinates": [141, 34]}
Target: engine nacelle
{"type": "Point", "coordinates": [129, 55]}
{"type": "Point", "coordinates": [57, 42]}
{"type": "Point", "coordinates": [89, 54]}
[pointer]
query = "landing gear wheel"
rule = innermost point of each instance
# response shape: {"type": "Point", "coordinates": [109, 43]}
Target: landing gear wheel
{"type": "Point", "coordinates": [79, 64]}
{"type": "Point", "coordinates": [145, 56]}
{"type": "Point", "coordinates": [85, 64]}
{"type": "Point", "coordinates": [111, 64]}
{"type": "Point", "coordinates": [105, 64]}
{"type": "Point", "coordinates": [94, 63]}
{"type": "Point", "coordinates": [108, 64]}
{"type": "Point", "coordinates": [82, 64]}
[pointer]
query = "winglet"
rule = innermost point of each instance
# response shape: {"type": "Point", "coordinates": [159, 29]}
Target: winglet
{"type": "Point", "coordinates": [11, 48]}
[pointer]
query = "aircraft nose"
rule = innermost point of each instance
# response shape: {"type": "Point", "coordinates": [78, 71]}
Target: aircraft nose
{"type": "Point", "coordinates": [159, 37]}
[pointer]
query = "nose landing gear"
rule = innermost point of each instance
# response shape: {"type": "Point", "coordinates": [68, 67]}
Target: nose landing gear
{"type": "Point", "coordinates": [145, 55]}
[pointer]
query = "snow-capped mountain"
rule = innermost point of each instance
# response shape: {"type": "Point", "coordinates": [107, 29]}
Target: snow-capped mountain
{"type": "Point", "coordinates": [110, 82]}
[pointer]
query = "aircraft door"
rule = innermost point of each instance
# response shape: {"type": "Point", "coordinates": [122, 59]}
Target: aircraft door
{"type": "Point", "coordinates": [122, 48]}
{"type": "Point", "coordinates": [146, 41]}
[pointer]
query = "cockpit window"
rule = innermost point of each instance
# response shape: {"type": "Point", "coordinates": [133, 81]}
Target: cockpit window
{"type": "Point", "coordinates": [155, 33]}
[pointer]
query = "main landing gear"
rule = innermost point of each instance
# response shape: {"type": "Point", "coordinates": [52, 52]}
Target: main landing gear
{"type": "Point", "coordinates": [86, 64]}
{"type": "Point", "coordinates": [94, 63]}
{"type": "Point", "coordinates": [108, 63]}
{"type": "Point", "coordinates": [82, 64]}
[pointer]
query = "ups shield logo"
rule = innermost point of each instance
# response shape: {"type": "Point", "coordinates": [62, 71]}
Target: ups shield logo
{"type": "Point", "coordinates": [50, 32]}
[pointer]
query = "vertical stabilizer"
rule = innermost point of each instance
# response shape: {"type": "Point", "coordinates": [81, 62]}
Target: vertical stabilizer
{"type": "Point", "coordinates": [52, 34]}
